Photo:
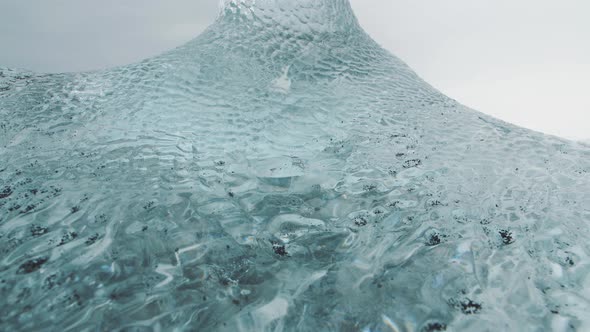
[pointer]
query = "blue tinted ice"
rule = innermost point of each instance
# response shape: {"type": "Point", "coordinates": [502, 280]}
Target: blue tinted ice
{"type": "Point", "coordinates": [281, 172]}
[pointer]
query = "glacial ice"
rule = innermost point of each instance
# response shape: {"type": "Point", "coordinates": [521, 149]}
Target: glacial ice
{"type": "Point", "coordinates": [281, 172]}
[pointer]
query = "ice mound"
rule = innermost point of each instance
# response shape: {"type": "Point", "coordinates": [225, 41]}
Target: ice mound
{"type": "Point", "coordinates": [281, 172]}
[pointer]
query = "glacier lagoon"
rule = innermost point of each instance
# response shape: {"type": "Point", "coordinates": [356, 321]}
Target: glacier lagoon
{"type": "Point", "coordinates": [281, 172]}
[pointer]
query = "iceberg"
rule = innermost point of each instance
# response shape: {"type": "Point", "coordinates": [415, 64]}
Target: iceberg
{"type": "Point", "coordinates": [281, 172]}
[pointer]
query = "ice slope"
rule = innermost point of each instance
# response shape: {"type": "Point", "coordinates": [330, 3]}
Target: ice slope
{"type": "Point", "coordinates": [281, 172]}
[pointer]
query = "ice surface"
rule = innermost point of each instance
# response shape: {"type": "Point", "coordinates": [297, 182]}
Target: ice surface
{"type": "Point", "coordinates": [281, 172]}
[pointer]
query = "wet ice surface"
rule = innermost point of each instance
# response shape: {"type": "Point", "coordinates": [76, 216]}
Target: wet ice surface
{"type": "Point", "coordinates": [281, 172]}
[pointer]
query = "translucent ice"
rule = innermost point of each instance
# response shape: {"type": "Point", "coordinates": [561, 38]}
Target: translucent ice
{"type": "Point", "coordinates": [281, 172]}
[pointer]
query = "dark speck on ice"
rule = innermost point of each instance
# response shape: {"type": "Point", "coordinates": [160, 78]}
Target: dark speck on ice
{"type": "Point", "coordinates": [92, 239]}
{"type": "Point", "coordinates": [506, 237]}
{"type": "Point", "coordinates": [360, 221]}
{"type": "Point", "coordinates": [6, 192]}
{"type": "Point", "coordinates": [279, 249]}
{"type": "Point", "coordinates": [32, 265]}
{"type": "Point", "coordinates": [469, 307]}
{"type": "Point", "coordinates": [412, 163]}
{"type": "Point", "coordinates": [432, 327]}
{"type": "Point", "coordinates": [434, 240]}
{"type": "Point", "coordinates": [37, 230]}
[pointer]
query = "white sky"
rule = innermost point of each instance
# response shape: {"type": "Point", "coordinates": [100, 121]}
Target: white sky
{"type": "Point", "coordinates": [525, 61]}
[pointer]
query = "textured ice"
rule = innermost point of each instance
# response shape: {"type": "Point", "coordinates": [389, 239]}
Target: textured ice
{"type": "Point", "coordinates": [281, 172]}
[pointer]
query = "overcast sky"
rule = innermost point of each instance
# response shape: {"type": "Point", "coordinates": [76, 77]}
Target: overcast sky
{"type": "Point", "coordinates": [524, 61]}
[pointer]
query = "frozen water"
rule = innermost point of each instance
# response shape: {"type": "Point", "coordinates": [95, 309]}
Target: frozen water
{"type": "Point", "coordinates": [281, 172]}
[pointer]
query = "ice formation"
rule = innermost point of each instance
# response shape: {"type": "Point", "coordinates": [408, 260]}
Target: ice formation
{"type": "Point", "coordinates": [281, 172]}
